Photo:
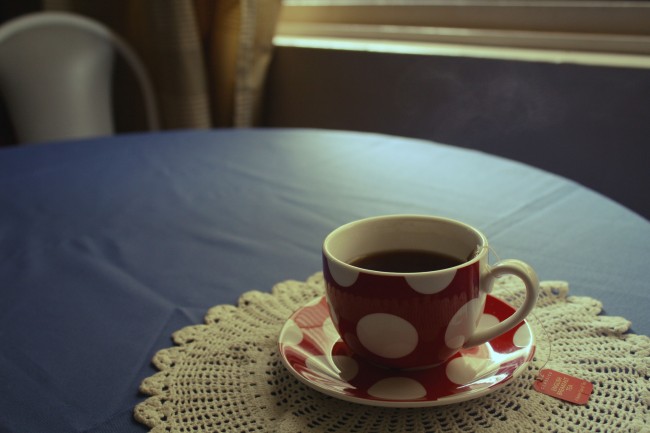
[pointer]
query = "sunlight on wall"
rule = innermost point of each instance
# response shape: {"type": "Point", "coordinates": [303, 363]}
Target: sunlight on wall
{"type": "Point", "coordinates": [457, 50]}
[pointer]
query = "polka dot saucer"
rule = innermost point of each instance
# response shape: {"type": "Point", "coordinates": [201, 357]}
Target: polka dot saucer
{"type": "Point", "coordinates": [312, 351]}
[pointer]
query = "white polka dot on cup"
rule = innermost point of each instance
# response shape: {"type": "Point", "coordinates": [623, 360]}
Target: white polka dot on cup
{"type": "Point", "coordinates": [387, 335]}
{"type": "Point", "coordinates": [461, 324]}
{"type": "Point", "coordinates": [487, 321]}
{"type": "Point", "coordinates": [343, 276]}
{"type": "Point", "coordinates": [330, 310]}
{"type": "Point", "coordinates": [430, 284]}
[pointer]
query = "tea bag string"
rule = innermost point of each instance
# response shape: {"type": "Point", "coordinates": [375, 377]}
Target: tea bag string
{"type": "Point", "coordinates": [539, 322]}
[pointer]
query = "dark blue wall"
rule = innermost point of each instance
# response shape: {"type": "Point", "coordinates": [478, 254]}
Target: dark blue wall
{"type": "Point", "coordinates": [590, 124]}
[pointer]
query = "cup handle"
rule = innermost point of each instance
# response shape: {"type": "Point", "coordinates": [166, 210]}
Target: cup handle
{"type": "Point", "coordinates": [529, 277]}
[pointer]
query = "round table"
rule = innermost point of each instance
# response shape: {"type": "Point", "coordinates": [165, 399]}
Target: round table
{"type": "Point", "coordinates": [109, 245]}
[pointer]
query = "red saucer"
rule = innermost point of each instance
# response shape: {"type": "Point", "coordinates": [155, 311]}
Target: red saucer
{"type": "Point", "coordinates": [313, 352]}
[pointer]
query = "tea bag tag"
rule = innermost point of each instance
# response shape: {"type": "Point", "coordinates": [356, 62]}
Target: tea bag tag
{"type": "Point", "coordinates": [563, 386]}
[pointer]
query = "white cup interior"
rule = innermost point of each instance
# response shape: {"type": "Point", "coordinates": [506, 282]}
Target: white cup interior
{"type": "Point", "coordinates": [404, 232]}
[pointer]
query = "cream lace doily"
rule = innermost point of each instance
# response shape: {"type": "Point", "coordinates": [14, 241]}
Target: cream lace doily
{"type": "Point", "coordinates": [226, 375]}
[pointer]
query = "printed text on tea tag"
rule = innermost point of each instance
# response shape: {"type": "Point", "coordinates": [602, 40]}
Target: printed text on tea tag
{"type": "Point", "coordinates": [563, 386]}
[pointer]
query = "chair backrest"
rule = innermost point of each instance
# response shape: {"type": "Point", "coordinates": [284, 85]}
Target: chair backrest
{"type": "Point", "coordinates": [56, 76]}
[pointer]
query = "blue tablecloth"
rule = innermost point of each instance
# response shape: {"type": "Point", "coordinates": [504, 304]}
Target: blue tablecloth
{"type": "Point", "coordinates": [109, 245]}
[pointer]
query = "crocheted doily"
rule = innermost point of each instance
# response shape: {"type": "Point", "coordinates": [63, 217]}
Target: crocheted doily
{"type": "Point", "coordinates": [227, 376]}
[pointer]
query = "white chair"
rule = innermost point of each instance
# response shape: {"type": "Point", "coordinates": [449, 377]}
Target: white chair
{"type": "Point", "coordinates": [56, 72]}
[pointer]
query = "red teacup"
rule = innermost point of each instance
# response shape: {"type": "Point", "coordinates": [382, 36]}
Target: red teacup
{"type": "Point", "coordinates": [397, 304]}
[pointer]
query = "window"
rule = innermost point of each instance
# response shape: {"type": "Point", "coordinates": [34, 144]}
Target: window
{"type": "Point", "coordinates": [596, 31]}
